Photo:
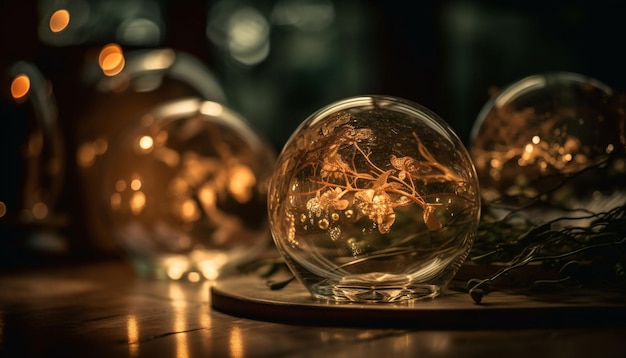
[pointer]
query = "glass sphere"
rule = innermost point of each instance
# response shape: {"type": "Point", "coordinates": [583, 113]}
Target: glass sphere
{"type": "Point", "coordinates": [114, 97]}
{"type": "Point", "coordinates": [374, 199]}
{"type": "Point", "coordinates": [186, 191]}
{"type": "Point", "coordinates": [539, 137]}
{"type": "Point", "coordinates": [33, 156]}
{"type": "Point", "coordinates": [33, 218]}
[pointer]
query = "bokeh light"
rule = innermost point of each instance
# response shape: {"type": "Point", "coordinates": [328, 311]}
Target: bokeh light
{"type": "Point", "coordinates": [20, 86]}
{"type": "Point", "coordinates": [59, 20]}
{"type": "Point", "coordinates": [111, 59]}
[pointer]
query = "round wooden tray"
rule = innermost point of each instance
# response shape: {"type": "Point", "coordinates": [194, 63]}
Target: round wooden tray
{"type": "Point", "coordinates": [249, 297]}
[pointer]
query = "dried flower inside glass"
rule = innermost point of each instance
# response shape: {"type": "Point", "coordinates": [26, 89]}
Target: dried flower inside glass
{"type": "Point", "coordinates": [374, 199]}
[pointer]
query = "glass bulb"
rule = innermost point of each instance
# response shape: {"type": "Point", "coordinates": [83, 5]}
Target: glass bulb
{"type": "Point", "coordinates": [541, 136]}
{"type": "Point", "coordinates": [185, 190]}
{"type": "Point", "coordinates": [123, 87]}
{"type": "Point", "coordinates": [374, 199]}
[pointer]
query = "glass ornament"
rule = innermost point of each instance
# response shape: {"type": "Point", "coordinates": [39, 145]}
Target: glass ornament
{"type": "Point", "coordinates": [185, 191]}
{"type": "Point", "coordinates": [558, 137]}
{"type": "Point", "coordinates": [117, 95]}
{"type": "Point", "coordinates": [374, 199]}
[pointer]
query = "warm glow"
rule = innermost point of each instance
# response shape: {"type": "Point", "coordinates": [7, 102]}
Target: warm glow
{"type": "Point", "coordinates": [235, 342]}
{"type": "Point", "coordinates": [137, 202]}
{"type": "Point", "coordinates": [211, 109]}
{"type": "Point", "coordinates": [101, 145]}
{"type": "Point", "coordinates": [88, 151]}
{"type": "Point", "coordinates": [241, 183]}
{"type": "Point", "coordinates": [132, 332]}
{"type": "Point", "coordinates": [204, 318]}
{"type": "Point", "coordinates": [175, 293]}
{"type": "Point", "coordinates": [120, 185]}
{"type": "Point", "coordinates": [146, 143]}
{"type": "Point", "coordinates": [40, 210]}
{"type": "Point", "coordinates": [175, 272]}
{"type": "Point", "coordinates": [113, 64]}
{"type": "Point", "coordinates": [116, 201]}
{"type": "Point", "coordinates": [178, 186]}
{"type": "Point", "coordinates": [189, 211]}
{"type": "Point", "coordinates": [178, 298]}
{"type": "Point", "coordinates": [210, 268]}
{"type": "Point", "coordinates": [111, 60]}
{"type": "Point", "coordinates": [528, 148]}
{"type": "Point", "coordinates": [210, 272]}
{"type": "Point", "coordinates": [86, 155]}
{"type": "Point", "coordinates": [135, 184]}
{"type": "Point", "coordinates": [193, 277]}
{"type": "Point", "coordinates": [168, 156]}
{"type": "Point", "coordinates": [3, 209]}
{"type": "Point", "coordinates": [207, 195]}
{"type": "Point", "coordinates": [180, 326]}
{"type": "Point", "coordinates": [176, 268]}
{"type": "Point", "coordinates": [59, 20]}
{"type": "Point", "coordinates": [536, 139]}
{"type": "Point", "coordinates": [35, 145]}
{"type": "Point", "coordinates": [20, 86]}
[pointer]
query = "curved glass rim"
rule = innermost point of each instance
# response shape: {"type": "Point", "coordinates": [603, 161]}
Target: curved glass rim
{"type": "Point", "coordinates": [194, 106]}
{"type": "Point", "coordinates": [524, 85]}
{"type": "Point", "coordinates": [381, 101]}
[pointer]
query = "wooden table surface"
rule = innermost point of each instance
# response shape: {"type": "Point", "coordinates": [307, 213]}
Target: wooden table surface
{"type": "Point", "coordinates": [103, 309]}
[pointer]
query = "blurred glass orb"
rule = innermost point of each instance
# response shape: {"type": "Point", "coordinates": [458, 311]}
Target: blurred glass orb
{"type": "Point", "coordinates": [122, 87]}
{"type": "Point", "coordinates": [32, 163]}
{"type": "Point", "coordinates": [374, 199]}
{"type": "Point", "coordinates": [33, 159]}
{"type": "Point", "coordinates": [539, 137]}
{"type": "Point", "coordinates": [185, 190]}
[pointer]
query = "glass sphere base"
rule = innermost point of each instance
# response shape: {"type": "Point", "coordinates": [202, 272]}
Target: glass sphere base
{"type": "Point", "coordinates": [361, 289]}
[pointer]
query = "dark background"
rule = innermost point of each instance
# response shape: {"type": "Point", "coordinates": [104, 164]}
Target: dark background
{"type": "Point", "coordinates": [445, 55]}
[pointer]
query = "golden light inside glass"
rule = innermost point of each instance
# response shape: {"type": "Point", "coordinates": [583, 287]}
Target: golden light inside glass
{"type": "Point", "coordinates": [59, 20]}
{"type": "Point", "coordinates": [363, 194]}
{"type": "Point", "coordinates": [184, 190]}
{"type": "Point", "coordinates": [88, 152]}
{"type": "Point", "coordinates": [540, 129]}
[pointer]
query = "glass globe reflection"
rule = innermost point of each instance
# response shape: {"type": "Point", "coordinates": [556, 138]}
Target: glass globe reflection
{"type": "Point", "coordinates": [541, 136]}
{"type": "Point", "coordinates": [374, 199]}
{"type": "Point", "coordinates": [185, 190]}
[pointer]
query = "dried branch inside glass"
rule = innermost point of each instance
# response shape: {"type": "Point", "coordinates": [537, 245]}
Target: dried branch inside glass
{"type": "Point", "coordinates": [374, 199]}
